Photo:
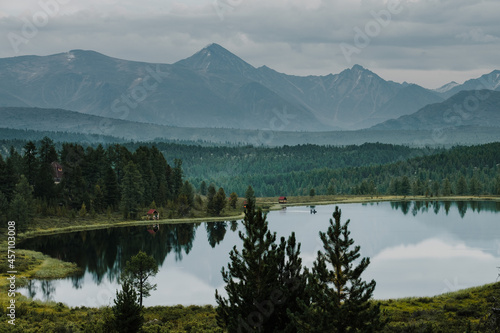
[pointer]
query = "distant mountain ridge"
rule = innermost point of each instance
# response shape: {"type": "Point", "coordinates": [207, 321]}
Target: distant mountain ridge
{"type": "Point", "coordinates": [466, 108]}
{"type": "Point", "coordinates": [212, 88]}
{"type": "Point", "coordinates": [29, 123]}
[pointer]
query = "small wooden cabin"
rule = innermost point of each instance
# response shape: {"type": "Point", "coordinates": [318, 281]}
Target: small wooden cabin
{"type": "Point", "coordinates": [282, 200]}
{"type": "Point", "coordinates": [57, 172]}
{"type": "Point", "coordinates": [153, 214]}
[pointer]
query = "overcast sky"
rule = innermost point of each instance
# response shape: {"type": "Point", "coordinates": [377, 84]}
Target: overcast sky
{"type": "Point", "coordinates": [428, 42]}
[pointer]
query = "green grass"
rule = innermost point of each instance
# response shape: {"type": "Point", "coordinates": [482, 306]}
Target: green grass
{"type": "Point", "coordinates": [33, 265]}
{"type": "Point", "coordinates": [451, 312]}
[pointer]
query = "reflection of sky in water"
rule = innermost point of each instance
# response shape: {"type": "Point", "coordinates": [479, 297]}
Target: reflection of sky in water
{"type": "Point", "coordinates": [420, 253]}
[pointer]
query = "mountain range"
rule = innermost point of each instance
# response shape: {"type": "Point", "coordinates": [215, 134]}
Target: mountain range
{"type": "Point", "coordinates": [214, 89]}
{"type": "Point", "coordinates": [472, 108]}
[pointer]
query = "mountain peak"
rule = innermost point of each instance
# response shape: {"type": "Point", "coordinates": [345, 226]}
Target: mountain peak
{"type": "Point", "coordinates": [215, 58]}
{"type": "Point", "coordinates": [357, 67]}
{"type": "Point", "coordinates": [447, 87]}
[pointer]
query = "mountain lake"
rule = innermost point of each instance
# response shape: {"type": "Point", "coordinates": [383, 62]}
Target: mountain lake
{"type": "Point", "coordinates": [416, 248]}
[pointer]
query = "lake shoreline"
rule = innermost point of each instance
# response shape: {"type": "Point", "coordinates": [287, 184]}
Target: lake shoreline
{"type": "Point", "coordinates": [267, 204]}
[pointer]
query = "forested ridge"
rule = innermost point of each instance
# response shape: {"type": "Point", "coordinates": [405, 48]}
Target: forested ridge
{"type": "Point", "coordinates": [460, 170]}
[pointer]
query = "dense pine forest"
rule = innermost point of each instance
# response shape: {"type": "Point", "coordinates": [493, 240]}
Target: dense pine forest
{"type": "Point", "coordinates": [459, 171]}
{"type": "Point", "coordinates": [42, 181]}
{"type": "Point", "coordinates": [371, 168]}
{"type": "Point", "coordinates": [130, 177]}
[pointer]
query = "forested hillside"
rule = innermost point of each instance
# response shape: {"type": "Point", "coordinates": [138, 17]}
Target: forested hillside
{"type": "Point", "coordinates": [212, 163]}
{"type": "Point", "coordinates": [461, 170]}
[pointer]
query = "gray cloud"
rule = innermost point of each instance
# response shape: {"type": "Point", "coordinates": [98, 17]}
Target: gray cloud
{"type": "Point", "coordinates": [299, 37]}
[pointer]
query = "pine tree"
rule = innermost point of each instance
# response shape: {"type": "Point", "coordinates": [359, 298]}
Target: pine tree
{"type": "Point", "coordinates": [30, 162]}
{"type": "Point", "coordinates": [177, 177]}
{"type": "Point", "coordinates": [132, 190]}
{"type": "Point", "coordinates": [461, 186]}
{"type": "Point", "coordinates": [446, 187]}
{"type": "Point", "coordinates": [44, 182]}
{"type": "Point", "coordinates": [435, 188]}
{"type": "Point", "coordinates": [203, 188]}
{"type": "Point", "coordinates": [99, 199]}
{"type": "Point", "coordinates": [234, 199]}
{"type": "Point", "coordinates": [83, 210]}
{"type": "Point", "coordinates": [137, 271]}
{"type": "Point", "coordinates": [219, 202]}
{"type": "Point", "coordinates": [250, 197]}
{"type": "Point", "coordinates": [22, 206]}
{"type": "Point", "coordinates": [111, 189]}
{"type": "Point", "coordinates": [8, 178]}
{"type": "Point", "coordinates": [497, 185]}
{"type": "Point", "coordinates": [474, 186]}
{"type": "Point", "coordinates": [4, 207]}
{"type": "Point", "coordinates": [187, 190]}
{"type": "Point", "coordinates": [331, 189]}
{"type": "Point", "coordinates": [128, 315]}
{"type": "Point", "coordinates": [263, 281]}
{"type": "Point", "coordinates": [47, 151]}
{"type": "Point", "coordinates": [405, 188]}
{"type": "Point", "coordinates": [340, 299]}
{"type": "Point", "coordinates": [211, 192]}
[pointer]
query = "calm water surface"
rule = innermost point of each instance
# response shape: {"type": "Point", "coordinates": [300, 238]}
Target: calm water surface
{"type": "Point", "coordinates": [415, 248]}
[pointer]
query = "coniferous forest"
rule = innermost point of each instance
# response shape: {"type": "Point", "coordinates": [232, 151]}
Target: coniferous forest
{"type": "Point", "coordinates": [130, 177]}
{"type": "Point", "coordinates": [40, 180]}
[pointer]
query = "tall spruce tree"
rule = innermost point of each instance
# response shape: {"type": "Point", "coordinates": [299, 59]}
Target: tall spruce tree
{"type": "Point", "coordinates": [211, 192]}
{"type": "Point", "coordinates": [177, 177]}
{"type": "Point", "coordinates": [446, 187]}
{"type": "Point", "coordinates": [132, 190]}
{"type": "Point", "coordinates": [263, 280]}
{"type": "Point", "coordinates": [233, 199]}
{"type": "Point", "coordinates": [497, 185]}
{"type": "Point", "coordinates": [30, 162]}
{"type": "Point", "coordinates": [22, 206]}
{"type": "Point", "coordinates": [405, 188]}
{"type": "Point", "coordinates": [461, 185]}
{"type": "Point", "coordinates": [111, 188]}
{"type": "Point", "coordinates": [219, 201]}
{"type": "Point", "coordinates": [128, 317]}
{"type": "Point", "coordinates": [340, 298]}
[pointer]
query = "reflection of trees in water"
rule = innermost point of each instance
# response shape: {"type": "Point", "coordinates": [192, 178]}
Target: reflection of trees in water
{"type": "Point", "coordinates": [447, 205]}
{"type": "Point", "coordinates": [106, 251]}
{"type": "Point", "coordinates": [405, 207]}
{"type": "Point", "coordinates": [31, 288]}
{"type": "Point", "coordinates": [179, 237]}
{"type": "Point", "coordinates": [234, 226]}
{"type": "Point", "coordinates": [215, 232]}
{"type": "Point", "coordinates": [462, 206]}
{"type": "Point", "coordinates": [48, 289]}
{"type": "Point", "coordinates": [436, 205]}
